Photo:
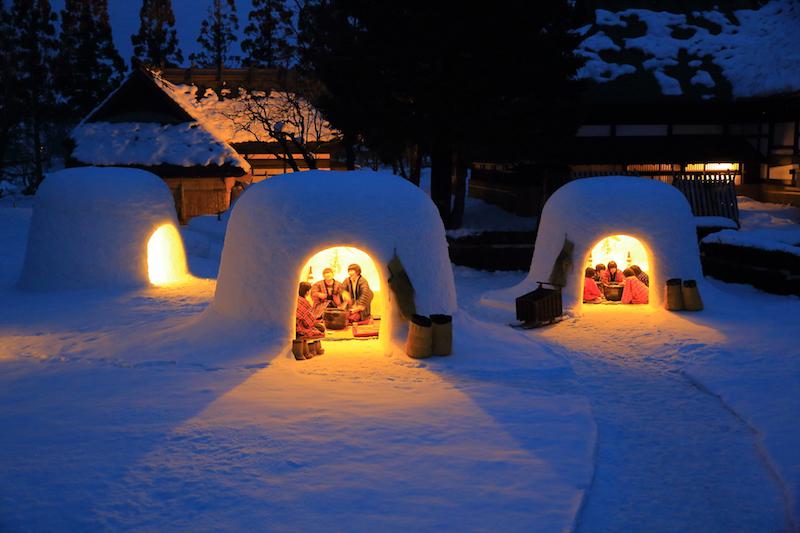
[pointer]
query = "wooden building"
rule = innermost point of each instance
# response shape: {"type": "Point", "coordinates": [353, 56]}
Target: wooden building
{"type": "Point", "coordinates": [695, 90]}
{"type": "Point", "coordinates": [185, 125]}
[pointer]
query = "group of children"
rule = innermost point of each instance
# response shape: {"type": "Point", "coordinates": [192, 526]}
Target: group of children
{"type": "Point", "coordinates": [353, 295]}
{"type": "Point", "coordinates": [600, 279]}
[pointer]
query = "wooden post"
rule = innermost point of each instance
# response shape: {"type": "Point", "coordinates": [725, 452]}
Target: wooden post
{"type": "Point", "coordinates": [182, 204]}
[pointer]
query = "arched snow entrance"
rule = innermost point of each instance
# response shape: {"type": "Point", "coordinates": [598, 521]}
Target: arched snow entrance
{"type": "Point", "coordinates": [279, 224]}
{"type": "Point", "coordinates": [94, 227]}
{"type": "Point", "coordinates": [166, 262]}
{"type": "Point", "coordinates": [586, 211]}
{"type": "Point", "coordinates": [338, 258]}
{"type": "Point", "coordinates": [624, 250]}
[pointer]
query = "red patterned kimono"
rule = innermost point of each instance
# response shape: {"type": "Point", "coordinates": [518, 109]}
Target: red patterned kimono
{"type": "Point", "coordinates": [634, 292]}
{"type": "Point", "coordinates": [590, 290]}
{"type": "Point", "coordinates": [304, 320]}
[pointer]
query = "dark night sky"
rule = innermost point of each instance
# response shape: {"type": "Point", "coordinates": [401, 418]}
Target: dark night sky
{"type": "Point", "coordinates": [188, 14]}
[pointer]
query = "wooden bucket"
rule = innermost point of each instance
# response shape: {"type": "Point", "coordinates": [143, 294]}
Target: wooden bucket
{"type": "Point", "coordinates": [442, 326]}
{"type": "Point", "coordinates": [419, 342]}
{"type": "Point", "coordinates": [674, 297]}
{"type": "Point", "coordinates": [691, 296]}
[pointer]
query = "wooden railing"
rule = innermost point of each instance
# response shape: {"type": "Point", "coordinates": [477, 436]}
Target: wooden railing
{"type": "Point", "coordinates": [709, 194]}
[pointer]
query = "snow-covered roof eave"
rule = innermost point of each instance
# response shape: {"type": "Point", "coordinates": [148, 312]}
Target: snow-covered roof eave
{"type": "Point", "coordinates": [152, 144]}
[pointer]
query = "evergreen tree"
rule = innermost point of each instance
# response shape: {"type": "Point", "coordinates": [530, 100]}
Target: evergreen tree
{"type": "Point", "coordinates": [492, 82]}
{"type": "Point", "coordinates": [89, 66]}
{"type": "Point", "coordinates": [9, 110]}
{"type": "Point", "coordinates": [35, 44]}
{"type": "Point", "coordinates": [217, 35]}
{"type": "Point", "coordinates": [156, 43]}
{"type": "Point", "coordinates": [266, 36]}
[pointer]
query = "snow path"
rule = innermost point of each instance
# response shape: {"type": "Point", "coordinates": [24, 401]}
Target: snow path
{"type": "Point", "coordinates": [670, 455]}
{"type": "Point", "coordinates": [667, 451]}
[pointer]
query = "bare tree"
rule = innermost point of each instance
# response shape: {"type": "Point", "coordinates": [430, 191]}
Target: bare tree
{"type": "Point", "coordinates": [284, 120]}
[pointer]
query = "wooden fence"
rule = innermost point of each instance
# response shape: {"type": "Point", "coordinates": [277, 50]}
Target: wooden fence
{"type": "Point", "coordinates": [709, 194]}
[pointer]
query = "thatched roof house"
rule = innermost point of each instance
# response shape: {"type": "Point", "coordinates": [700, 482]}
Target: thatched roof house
{"type": "Point", "coordinates": [202, 139]}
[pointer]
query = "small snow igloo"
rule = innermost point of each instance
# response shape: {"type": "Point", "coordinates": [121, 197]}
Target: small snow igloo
{"type": "Point", "coordinates": [279, 227]}
{"type": "Point", "coordinates": [103, 227]}
{"type": "Point", "coordinates": [630, 220]}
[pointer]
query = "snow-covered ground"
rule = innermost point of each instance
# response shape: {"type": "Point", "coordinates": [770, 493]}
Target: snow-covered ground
{"type": "Point", "coordinates": [765, 226]}
{"type": "Point", "coordinates": [614, 420]}
{"type": "Point", "coordinates": [112, 420]}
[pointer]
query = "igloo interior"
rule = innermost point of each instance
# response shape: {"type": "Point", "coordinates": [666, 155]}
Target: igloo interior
{"type": "Point", "coordinates": [330, 266]}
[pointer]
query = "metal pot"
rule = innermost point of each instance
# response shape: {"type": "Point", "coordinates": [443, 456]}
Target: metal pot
{"type": "Point", "coordinates": [613, 292]}
{"type": "Point", "coordinates": [335, 318]}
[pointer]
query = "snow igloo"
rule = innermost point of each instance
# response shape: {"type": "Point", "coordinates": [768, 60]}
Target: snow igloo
{"type": "Point", "coordinates": [98, 227]}
{"type": "Point", "coordinates": [629, 220]}
{"type": "Point", "coordinates": [285, 228]}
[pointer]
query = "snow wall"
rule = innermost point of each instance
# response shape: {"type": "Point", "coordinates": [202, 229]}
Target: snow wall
{"type": "Point", "coordinates": [91, 226]}
{"type": "Point", "coordinates": [585, 211]}
{"type": "Point", "coordinates": [277, 225]}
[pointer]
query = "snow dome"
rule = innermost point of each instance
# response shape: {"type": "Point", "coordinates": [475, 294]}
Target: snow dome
{"type": "Point", "coordinates": [280, 227]}
{"type": "Point", "coordinates": [629, 220]}
{"type": "Point", "coordinates": [103, 227]}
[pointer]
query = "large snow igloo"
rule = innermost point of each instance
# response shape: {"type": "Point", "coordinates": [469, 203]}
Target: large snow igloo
{"type": "Point", "coordinates": [279, 225]}
{"type": "Point", "coordinates": [98, 227]}
{"type": "Point", "coordinates": [646, 218]}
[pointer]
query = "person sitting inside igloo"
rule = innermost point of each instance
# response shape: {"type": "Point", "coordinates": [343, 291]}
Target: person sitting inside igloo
{"type": "Point", "coordinates": [640, 274]}
{"type": "Point", "coordinates": [326, 293]}
{"type": "Point", "coordinates": [357, 295]}
{"type": "Point", "coordinates": [634, 291]}
{"type": "Point", "coordinates": [598, 272]}
{"type": "Point", "coordinates": [307, 343]}
{"type": "Point", "coordinates": [591, 292]}
{"type": "Point", "coordinates": [611, 274]}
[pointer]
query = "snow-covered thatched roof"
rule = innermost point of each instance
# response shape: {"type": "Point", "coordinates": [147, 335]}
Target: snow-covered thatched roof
{"type": "Point", "coordinates": [226, 114]}
{"type": "Point", "coordinates": [141, 124]}
{"type": "Point", "coordinates": [721, 53]}
{"type": "Point", "coordinates": [149, 144]}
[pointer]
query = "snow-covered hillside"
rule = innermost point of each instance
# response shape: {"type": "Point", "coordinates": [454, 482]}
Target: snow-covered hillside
{"type": "Point", "coordinates": [749, 52]}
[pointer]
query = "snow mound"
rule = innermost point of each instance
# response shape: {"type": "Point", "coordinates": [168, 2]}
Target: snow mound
{"type": "Point", "coordinates": [780, 239]}
{"type": "Point", "coordinates": [91, 228]}
{"type": "Point", "coordinates": [278, 224]}
{"type": "Point", "coordinates": [588, 210]}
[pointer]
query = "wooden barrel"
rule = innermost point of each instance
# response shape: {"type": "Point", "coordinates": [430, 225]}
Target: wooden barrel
{"type": "Point", "coordinates": [419, 343]}
{"type": "Point", "coordinates": [442, 326]}
{"type": "Point", "coordinates": [674, 298]}
{"type": "Point", "coordinates": [691, 296]}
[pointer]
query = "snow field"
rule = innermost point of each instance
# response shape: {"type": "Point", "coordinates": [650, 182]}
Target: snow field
{"type": "Point", "coordinates": [119, 419]}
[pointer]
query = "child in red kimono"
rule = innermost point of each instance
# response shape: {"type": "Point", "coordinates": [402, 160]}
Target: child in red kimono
{"type": "Point", "coordinates": [305, 320]}
{"type": "Point", "coordinates": [591, 293]}
{"type": "Point", "coordinates": [634, 291]}
{"type": "Point", "coordinates": [612, 274]}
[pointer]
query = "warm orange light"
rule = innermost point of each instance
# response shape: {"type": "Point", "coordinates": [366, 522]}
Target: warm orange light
{"type": "Point", "coordinates": [712, 167]}
{"type": "Point", "coordinates": [622, 249]}
{"type": "Point", "coordinates": [338, 258]}
{"type": "Point", "coordinates": [166, 262]}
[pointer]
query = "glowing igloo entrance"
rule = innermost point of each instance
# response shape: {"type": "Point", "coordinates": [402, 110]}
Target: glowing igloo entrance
{"type": "Point", "coordinates": [166, 262]}
{"type": "Point", "coordinates": [629, 255]}
{"type": "Point", "coordinates": [327, 272]}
